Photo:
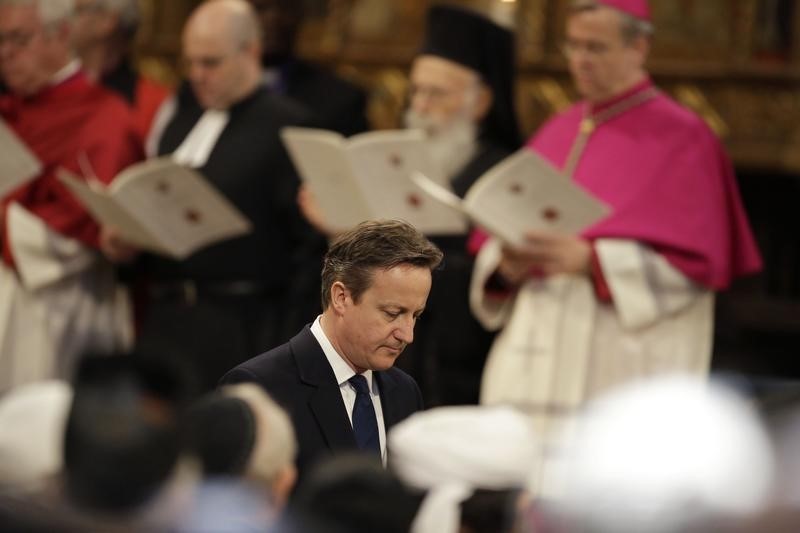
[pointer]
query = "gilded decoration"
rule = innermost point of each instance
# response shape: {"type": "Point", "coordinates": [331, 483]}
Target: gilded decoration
{"type": "Point", "coordinates": [735, 62]}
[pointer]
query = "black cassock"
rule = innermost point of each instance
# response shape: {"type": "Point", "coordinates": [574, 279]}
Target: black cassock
{"type": "Point", "coordinates": [232, 300]}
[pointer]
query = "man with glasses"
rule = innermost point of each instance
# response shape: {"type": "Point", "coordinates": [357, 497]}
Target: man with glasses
{"type": "Point", "coordinates": [57, 297]}
{"type": "Point", "coordinates": [461, 93]}
{"type": "Point", "coordinates": [219, 306]}
{"type": "Point", "coordinates": [634, 294]}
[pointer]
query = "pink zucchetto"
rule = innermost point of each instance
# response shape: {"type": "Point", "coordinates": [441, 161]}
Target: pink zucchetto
{"type": "Point", "coordinates": [637, 8]}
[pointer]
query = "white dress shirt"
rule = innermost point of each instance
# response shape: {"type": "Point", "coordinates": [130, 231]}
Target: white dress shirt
{"type": "Point", "coordinates": [343, 373]}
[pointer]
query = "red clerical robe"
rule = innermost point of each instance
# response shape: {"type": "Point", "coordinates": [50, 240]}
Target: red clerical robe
{"type": "Point", "coordinates": [677, 234]}
{"type": "Point", "coordinates": [147, 100]}
{"type": "Point", "coordinates": [57, 295]}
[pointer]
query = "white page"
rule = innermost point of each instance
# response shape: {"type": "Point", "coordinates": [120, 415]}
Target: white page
{"type": "Point", "coordinates": [383, 162]}
{"type": "Point", "coordinates": [449, 202]}
{"type": "Point", "coordinates": [162, 207]}
{"type": "Point", "coordinates": [524, 192]}
{"type": "Point", "coordinates": [445, 196]}
{"type": "Point", "coordinates": [323, 165]}
{"type": "Point", "coordinates": [18, 164]}
{"type": "Point", "coordinates": [108, 213]}
{"type": "Point", "coordinates": [178, 204]}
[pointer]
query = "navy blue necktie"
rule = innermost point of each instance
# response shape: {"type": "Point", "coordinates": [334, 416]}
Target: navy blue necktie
{"type": "Point", "coordinates": [365, 424]}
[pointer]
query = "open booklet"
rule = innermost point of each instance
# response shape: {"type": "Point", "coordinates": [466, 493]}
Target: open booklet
{"type": "Point", "coordinates": [160, 206]}
{"type": "Point", "coordinates": [368, 176]}
{"type": "Point", "coordinates": [17, 163]}
{"type": "Point", "coordinates": [523, 192]}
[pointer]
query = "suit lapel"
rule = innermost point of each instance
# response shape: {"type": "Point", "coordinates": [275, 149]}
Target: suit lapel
{"type": "Point", "coordinates": [391, 414]}
{"type": "Point", "coordinates": [325, 401]}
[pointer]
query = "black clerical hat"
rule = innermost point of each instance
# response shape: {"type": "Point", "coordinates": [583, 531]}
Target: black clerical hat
{"type": "Point", "coordinates": [474, 41]}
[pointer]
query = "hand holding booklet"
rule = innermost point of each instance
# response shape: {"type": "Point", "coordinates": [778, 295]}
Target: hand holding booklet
{"type": "Point", "coordinates": [17, 163]}
{"type": "Point", "coordinates": [160, 206]}
{"type": "Point", "coordinates": [368, 176]}
{"type": "Point", "coordinates": [522, 193]}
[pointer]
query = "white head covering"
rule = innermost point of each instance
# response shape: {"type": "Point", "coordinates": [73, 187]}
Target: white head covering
{"type": "Point", "coordinates": [667, 455]}
{"type": "Point", "coordinates": [783, 406]}
{"type": "Point", "coordinates": [32, 421]}
{"type": "Point", "coordinates": [450, 451]}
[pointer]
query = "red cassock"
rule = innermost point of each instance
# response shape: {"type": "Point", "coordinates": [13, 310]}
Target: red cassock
{"type": "Point", "coordinates": [63, 124]}
{"type": "Point", "coordinates": [147, 100]}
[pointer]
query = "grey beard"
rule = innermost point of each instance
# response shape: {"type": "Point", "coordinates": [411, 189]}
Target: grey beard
{"type": "Point", "coordinates": [451, 147]}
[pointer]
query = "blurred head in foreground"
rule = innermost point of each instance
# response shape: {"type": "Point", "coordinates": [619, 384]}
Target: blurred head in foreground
{"type": "Point", "coordinates": [474, 463]}
{"type": "Point", "coordinates": [675, 454]}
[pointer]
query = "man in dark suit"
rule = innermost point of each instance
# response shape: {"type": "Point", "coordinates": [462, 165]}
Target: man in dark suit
{"type": "Point", "coordinates": [335, 377]}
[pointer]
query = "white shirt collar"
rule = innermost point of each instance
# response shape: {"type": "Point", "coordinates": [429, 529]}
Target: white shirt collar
{"type": "Point", "coordinates": [341, 369]}
{"type": "Point", "coordinates": [196, 148]}
{"type": "Point", "coordinates": [66, 71]}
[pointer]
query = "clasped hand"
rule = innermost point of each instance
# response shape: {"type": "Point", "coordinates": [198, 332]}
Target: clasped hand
{"type": "Point", "coordinates": [545, 252]}
{"type": "Point", "coordinates": [115, 248]}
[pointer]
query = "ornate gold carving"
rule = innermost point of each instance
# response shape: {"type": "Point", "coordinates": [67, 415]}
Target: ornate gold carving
{"type": "Point", "coordinates": [387, 88]}
{"type": "Point", "coordinates": [553, 94]}
{"type": "Point", "coordinates": [693, 98]}
{"type": "Point", "coordinates": [694, 31]}
{"type": "Point", "coordinates": [531, 30]}
{"type": "Point", "coordinates": [707, 54]}
{"type": "Point", "coordinates": [539, 98]}
{"type": "Point", "coordinates": [383, 31]}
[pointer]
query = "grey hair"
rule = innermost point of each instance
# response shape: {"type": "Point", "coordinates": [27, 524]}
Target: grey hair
{"type": "Point", "coordinates": [275, 445]}
{"type": "Point", "coordinates": [631, 27]}
{"type": "Point", "coordinates": [51, 12]}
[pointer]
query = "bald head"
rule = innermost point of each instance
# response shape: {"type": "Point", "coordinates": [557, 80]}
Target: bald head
{"type": "Point", "coordinates": [233, 21]}
{"type": "Point", "coordinates": [221, 47]}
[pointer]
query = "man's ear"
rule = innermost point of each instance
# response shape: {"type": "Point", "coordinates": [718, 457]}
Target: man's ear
{"type": "Point", "coordinates": [484, 103]}
{"type": "Point", "coordinates": [641, 45]}
{"type": "Point", "coordinates": [252, 49]}
{"type": "Point", "coordinates": [282, 485]}
{"type": "Point", "coordinates": [340, 297]}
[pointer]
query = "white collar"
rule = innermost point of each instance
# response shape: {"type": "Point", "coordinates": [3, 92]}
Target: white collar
{"type": "Point", "coordinates": [341, 369]}
{"type": "Point", "coordinates": [196, 148]}
{"type": "Point", "coordinates": [65, 72]}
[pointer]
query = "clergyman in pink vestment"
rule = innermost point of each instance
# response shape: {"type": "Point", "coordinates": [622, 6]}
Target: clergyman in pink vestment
{"type": "Point", "coordinates": [632, 296]}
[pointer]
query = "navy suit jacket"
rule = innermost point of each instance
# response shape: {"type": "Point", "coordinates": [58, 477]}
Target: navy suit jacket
{"type": "Point", "coordinates": [298, 376]}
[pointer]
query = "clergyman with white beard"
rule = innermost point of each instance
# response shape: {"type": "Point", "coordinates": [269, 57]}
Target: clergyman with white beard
{"type": "Point", "coordinates": [461, 95]}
